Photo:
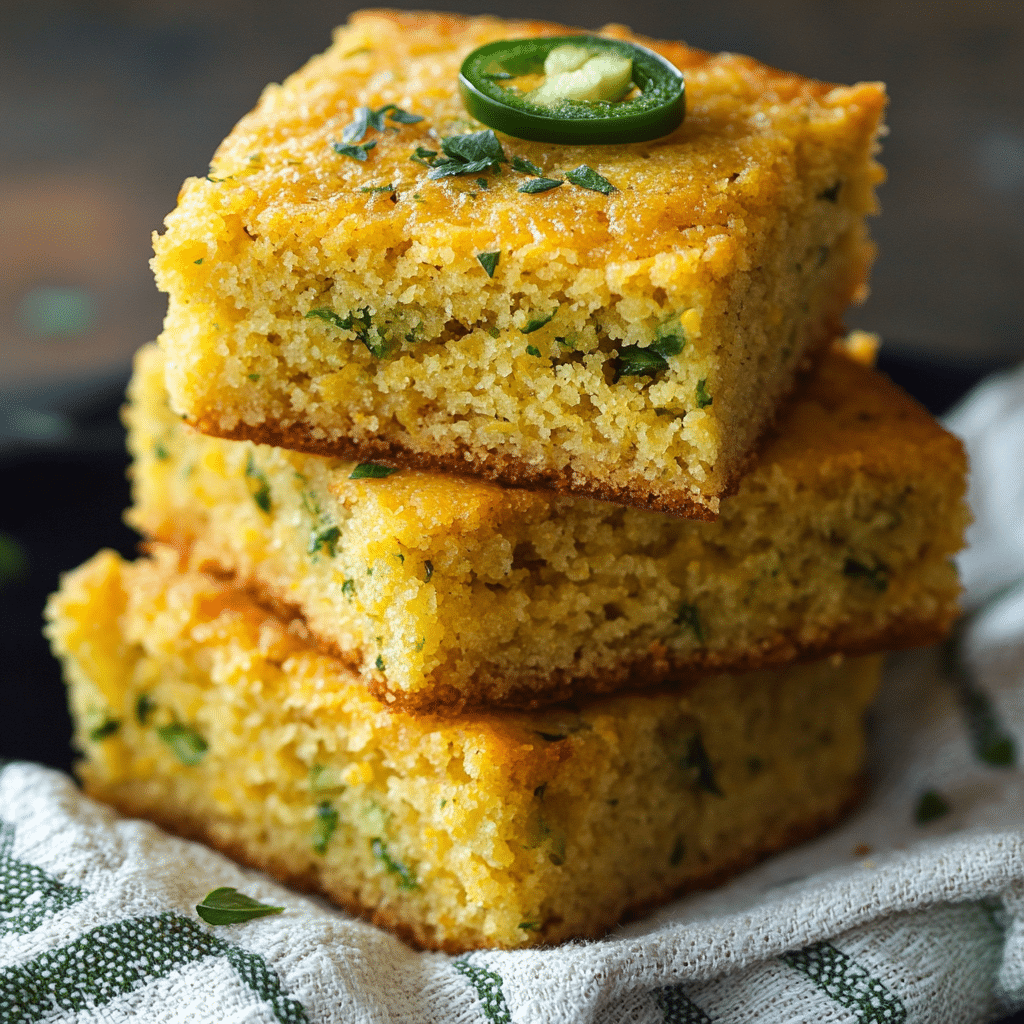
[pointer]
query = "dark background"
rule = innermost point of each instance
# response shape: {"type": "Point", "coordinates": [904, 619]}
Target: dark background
{"type": "Point", "coordinates": [105, 107]}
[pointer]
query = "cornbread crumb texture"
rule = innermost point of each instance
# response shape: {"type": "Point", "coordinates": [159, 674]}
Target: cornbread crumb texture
{"type": "Point", "coordinates": [448, 593]}
{"type": "Point", "coordinates": [631, 345]}
{"type": "Point", "coordinates": [196, 707]}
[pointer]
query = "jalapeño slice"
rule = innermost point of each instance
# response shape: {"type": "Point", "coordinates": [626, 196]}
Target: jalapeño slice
{"type": "Point", "coordinates": [654, 108]}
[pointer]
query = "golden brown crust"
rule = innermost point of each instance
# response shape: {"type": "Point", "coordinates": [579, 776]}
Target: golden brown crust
{"type": "Point", "coordinates": [786, 835]}
{"type": "Point", "coordinates": [657, 669]}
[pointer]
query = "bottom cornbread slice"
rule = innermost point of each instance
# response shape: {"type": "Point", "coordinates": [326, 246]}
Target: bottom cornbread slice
{"type": "Point", "coordinates": [201, 710]}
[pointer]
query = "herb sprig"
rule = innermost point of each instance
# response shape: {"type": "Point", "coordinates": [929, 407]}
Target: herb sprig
{"type": "Point", "coordinates": [229, 906]}
{"type": "Point", "coordinates": [467, 154]}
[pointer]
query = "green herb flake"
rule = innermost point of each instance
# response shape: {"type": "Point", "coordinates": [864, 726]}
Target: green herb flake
{"type": "Point", "coordinates": [324, 824]}
{"type": "Point", "coordinates": [489, 260]}
{"type": "Point", "coordinates": [324, 539]}
{"type": "Point", "coordinates": [228, 906]}
{"type": "Point", "coordinates": [379, 663]}
{"type": "Point", "coordinates": [524, 166]}
{"type": "Point", "coordinates": [359, 152]}
{"type": "Point", "coordinates": [348, 588]}
{"type": "Point", "coordinates": [634, 361]}
{"type": "Point", "coordinates": [586, 177]}
{"type": "Point", "coordinates": [144, 707]}
{"type": "Point", "coordinates": [535, 185]}
{"type": "Point", "coordinates": [188, 746]}
{"type": "Point", "coordinates": [329, 316]}
{"type": "Point", "coordinates": [254, 377]}
{"type": "Point", "coordinates": [428, 571]}
{"type": "Point", "coordinates": [371, 471]}
{"type": "Point", "coordinates": [537, 322]}
{"type": "Point", "coordinates": [422, 155]}
{"type": "Point", "coordinates": [106, 728]}
{"type": "Point", "coordinates": [482, 182]}
{"type": "Point", "coordinates": [877, 578]}
{"type": "Point", "coordinates": [687, 615]}
{"type": "Point", "coordinates": [392, 866]}
{"type": "Point", "coordinates": [160, 451]}
{"type": "Point", "coordinates": [259, 487]}
{"type": "Point", "coordinates": [198, 262]}
{"type": "Point", "coordinates": [930, 807]}
{"type": "Point", "coordinates": [532, 350]}
{"type": "Point", "coordinates": [696, 758]}
{"type": "Point", "coordinates": [468, 154]}
{"type": "Point", "coordinates": [13, 560]}
{"type": "Point", "coordinates": [378, 188]}
{"type": "Point", "coordinates": [704, 398]}
{"type": "Point", "coordinates": [530, 926]}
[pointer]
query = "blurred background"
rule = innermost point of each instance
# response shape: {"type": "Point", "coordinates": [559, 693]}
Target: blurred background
{"type": "Point", "coordinates": [105, 108]}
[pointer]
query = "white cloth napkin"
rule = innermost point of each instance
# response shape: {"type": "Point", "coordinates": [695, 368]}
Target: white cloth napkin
{"type": "Point", "coordinates": [884, 919]}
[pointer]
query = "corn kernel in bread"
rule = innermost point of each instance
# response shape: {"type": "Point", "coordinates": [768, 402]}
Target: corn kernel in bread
{"type": "Point", "coordinates": [496, 829]}
{"type": "Point", "coordinates": [340, 306]}
{"type": "Point", "coordinates": [449, 592]}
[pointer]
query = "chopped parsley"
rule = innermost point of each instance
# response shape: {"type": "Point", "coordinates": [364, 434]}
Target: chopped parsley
{"type": "Point", "coordinates": [422, 155]}
{"type": "Point", "coordinates": [634, 361]}
{"type": "Point", "coordinates": [392, 866]}
{"type": "Point", "coordinates": [704, 398]}
{"type": "Point", "coordinates": [524, 166]}
{"type": "Point", "coordinates": [106, 728]}
{"type": "Point", "coordinates": [586, 177]}
{"type": "Point", "coordinates": [259, 487]}
{"type": "Point", "coordinates": [930, 807]}
{"type": "Point", "coordinates": [530, 926]}
{"type": "Point", "coordinates": [489, 260]}
{"type": "Point", "coordinates": [371, 471]}
{"type": "Point", "coordinates": [688, 616]}
{"type": "Point", "coordinates": [535, 323]}
{"type": "Point", "coordinates": [535, 185]}
{"type": "Point", "coordinates": [468, 154]}
{"type": "Point", "coordinates": [348, 588]}
{"type": "Point", "coordinates": [532, 350]}
{"type": "Point", "coordinates": [359, 322]}
{"type": "Point", "coordinates": [324, 824]}
{"type": "Point", "coordinates": [359, 152]}
{"type": "Point", "coordinates": [160, 451]}
{"type": "Point", "coordinates": [198, 261]}
{"type": "Point", "coordinates": [366, 118]}
{"type": "Point", "coordinates": [228, 906]}
{"type": "Point", "coordinates": [254, 377]}
{"type": "Point", "coordinates": [428, 571]}
{"type": "Point", "coordinates": [696, 758]}
{"type": "Point", "coordinates": [378, 188]}
{"type": "Point", "coordinates": [324, 539]}
{"type": "Point", "coordinates": [379, 663]}
{"type": "Point", "coordinates": [144, 707]}
{"type": "Point", "coordinates": [482, 182]}
{"type": "Point", "coordinates": [877, 577]}
{"type": "Point", "coordinates": [187, 744]}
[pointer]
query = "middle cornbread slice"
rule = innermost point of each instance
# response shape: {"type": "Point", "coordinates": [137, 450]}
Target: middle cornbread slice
{"type": "Point", "coordinates": [448, 593]}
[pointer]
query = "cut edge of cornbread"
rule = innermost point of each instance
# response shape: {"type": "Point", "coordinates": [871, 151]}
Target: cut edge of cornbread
{"type": "Point", "coordinates": [312, 307]}
{"type": "Point", "coordinates": [450, 593]}
{"type": "Point", "coordinates": [197, 708]}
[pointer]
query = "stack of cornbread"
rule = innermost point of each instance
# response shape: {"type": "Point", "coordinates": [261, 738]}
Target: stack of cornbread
{"type": "Point", "coordinates": [515, 560]}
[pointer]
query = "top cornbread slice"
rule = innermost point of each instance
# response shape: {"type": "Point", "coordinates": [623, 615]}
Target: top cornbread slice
{"type": "Point", "coordinates": [338, 306]}
{"type": "Point", "coordinates": [449, 593]}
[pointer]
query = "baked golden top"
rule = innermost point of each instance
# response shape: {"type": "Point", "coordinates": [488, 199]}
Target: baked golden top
{"type": "Point", "coordinates": [340, 306]}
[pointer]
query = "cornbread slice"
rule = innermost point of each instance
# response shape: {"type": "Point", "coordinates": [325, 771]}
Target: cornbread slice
{"type": "Point", "coordinates": [451, 593]}
{"type": "Point", "coordinates": [346, 304]}
{"type": "Point", "coordinates": [197, 708]}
